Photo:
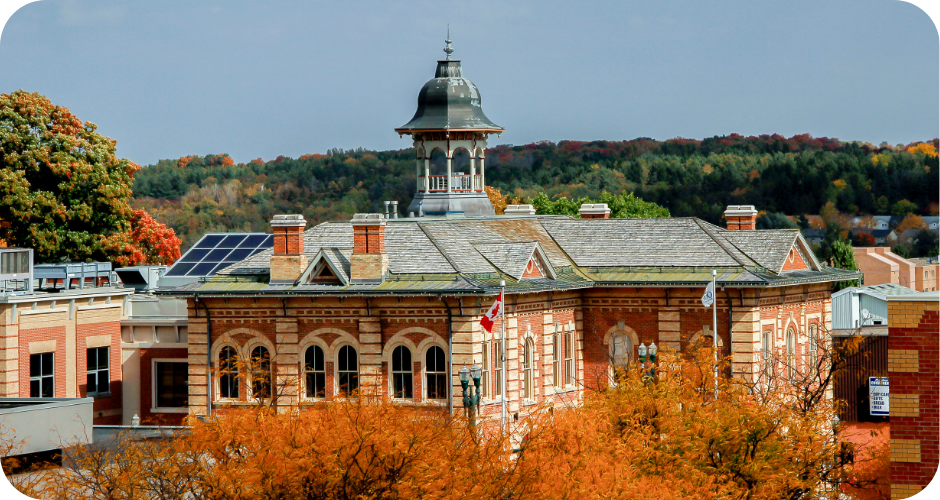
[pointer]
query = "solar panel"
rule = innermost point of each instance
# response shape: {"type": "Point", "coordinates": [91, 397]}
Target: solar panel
{"type": "Point", "coordinates": [216, 251]}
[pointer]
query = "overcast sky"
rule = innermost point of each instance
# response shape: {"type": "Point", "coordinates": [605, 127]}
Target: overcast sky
{"type": "Point", "coordinates": [173, 78]}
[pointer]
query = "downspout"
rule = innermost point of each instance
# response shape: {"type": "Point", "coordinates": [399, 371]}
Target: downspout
{"type": "Point", "coordinates": [730, 318]}
{"type": "Point", "coordinates": [208, 357]}
{"type": "Point", "coordinates": [450, 356]}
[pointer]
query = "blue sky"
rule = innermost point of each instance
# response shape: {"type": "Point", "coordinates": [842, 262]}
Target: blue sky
{"type": "Point", "coordinates": [173, 78]}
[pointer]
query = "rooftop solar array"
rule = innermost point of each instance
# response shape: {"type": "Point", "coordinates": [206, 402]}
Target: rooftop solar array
{"type": "Point", "coordinates": [216, 251]}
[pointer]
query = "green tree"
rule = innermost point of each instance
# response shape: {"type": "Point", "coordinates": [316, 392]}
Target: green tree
{"type": "Point", "coordinates": [844, 258]}
{"type": "Point", "coordinates": [774, 220]}
{"type": "Point", "coordinates": [622, 206]}
{"type": "Point", "coordinates": [925, 244]}
{"type": "Point", "coordinates": [903, 207]}
{"type": "Point", "coordinates": [63, 190]}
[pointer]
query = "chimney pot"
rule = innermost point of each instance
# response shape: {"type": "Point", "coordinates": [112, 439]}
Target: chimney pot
{"type": "Point", "coordinates": [519, 210]}
{"type": "Point", "coordinates": [741, 217]}
{"type": "Point", "coordinates": [594, 211]}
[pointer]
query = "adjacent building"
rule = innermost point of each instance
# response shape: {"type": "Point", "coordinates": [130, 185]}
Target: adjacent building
{"type": "Point", "coordinates": [880, 265]}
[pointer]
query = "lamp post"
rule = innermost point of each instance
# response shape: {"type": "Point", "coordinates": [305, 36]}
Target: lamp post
{"type": "Point", "coordinates": [471, 399]}
{"type": "Point", "coordinates": [642, 350]}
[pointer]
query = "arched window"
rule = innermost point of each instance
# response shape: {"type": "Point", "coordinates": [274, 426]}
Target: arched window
{"type": "Point", "coordinates": [813, 349]}
{"type": "Point", "coordinates": [621, 348]}
{"type": "Point", "coordinates": [527, 379]}
{"type": "Point", "coordinates": [347, 368]}
{"type": "Point", "coordinates": [402, 378]}
{"type": "Point", "coordinates": [791, 349]}
{"type": "Point", "coordinates": [260, 373]}
{"type": "Point", "coordinates": [315, 372]}
{"type": "Point", "coordinates": [228, 373]}
{"type": "Point", "coordinates": [569, 357]}
{"type": "Point", "coordinates": [436, 373]}
{"type": "Point", "coordinates": [768, 346]}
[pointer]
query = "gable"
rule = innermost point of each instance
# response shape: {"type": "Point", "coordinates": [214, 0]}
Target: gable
{"type": "Point", "coordinates": [794, 260]}
{"type": "Point", "coordinates": [533, 269]}
{"type": "Point", "coordinates": [326, 268]}
{"type": "Point", "coordinates": [322, 274]}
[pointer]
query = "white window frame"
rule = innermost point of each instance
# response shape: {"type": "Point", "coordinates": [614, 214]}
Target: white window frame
{"type": "Point", "coordinates": [767, 340]}
{"type": "Point", "coordinates": [153, 386]}
{"type": "Point", "coordinates": [338, 388]}
{"type": "Point", "coordinates": [570, 371]}
{"type": "Point", "coordinates": [528, 380]}
{"type": "Point", "coordinates": [790, 341]}
{"type": "Point", "coordinates": [497, 369]}
{"type": "Point", "coordinates": [407, 374]}
{"type": "Point", "coordinates": [231, 371]}
{"type": "Point", "coordinates": [97, 371]}
{"type": "Point", "coordinates": [813, 347]}
{"type": "Point", "coordinates": [485, 374]}
{"type": "Point", "coordinates": [304, 372]}
{"type": "Point", "coordinates": [440, 374]}
{"type": "Point", "coordinates": [557, 357]}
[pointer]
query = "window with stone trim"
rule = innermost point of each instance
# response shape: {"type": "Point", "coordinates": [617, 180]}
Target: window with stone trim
{"type": "Point", "coordinates": [402, 374]}
{"type": "Point", "coordinates": [527, 376]}
{"type": "Point", "coordinates": [485, 374]}
{"type": "Point", "coordinates": [569, 357]}
{"type": "Point", "coordinates": [98, 374]}
{"type": "Point", "coordinates": [260, 372]}
{"type": "Point", "coordinates": [170, 389]}
{"type": "Point", "coordinates": [41, 375]}
{"type": "Point", "coordinates": [347, 369]}
{"type": "Point", "coordinates": [435, 373]}
{"type": "Point", "coordinates": [556, 356]}
{"type": "Point", "coordinates": [813, 349]}
{"type": "Point", "coordinates": [791, 353]}
{"type": "Point", "coordinates": [498, 367]}
{"type": "Point", "coordinates": [621, 349]}
{"type": "Point", "coordinates": [767, 345]}
{"type": "Point", "coordinates": [228, 373]}
{"type": "Point", "coordinates": [315, 372]}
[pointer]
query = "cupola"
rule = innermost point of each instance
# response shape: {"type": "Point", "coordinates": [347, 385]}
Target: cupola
{"type": "Point", "coordinates": [450, 119]}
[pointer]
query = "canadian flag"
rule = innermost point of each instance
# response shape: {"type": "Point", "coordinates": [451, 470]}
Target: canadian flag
{"type": "Point", "coordinates": [490, 316]}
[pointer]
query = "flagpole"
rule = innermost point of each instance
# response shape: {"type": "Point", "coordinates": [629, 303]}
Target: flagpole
{"type": "Point", "coordinates": [715, 327]}
{"type": "Point", "coordinates": [502, 356]}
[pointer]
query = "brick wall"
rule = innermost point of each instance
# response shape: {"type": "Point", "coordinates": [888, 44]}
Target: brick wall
{"type": "Point", "coordinates": [48, 336]}
{"type": "Point", "coordinates": [106, 409]}
{"type": "Point", "coordinates": [913, 349]}
{"type": "Point", "coordinates": [146, 386]}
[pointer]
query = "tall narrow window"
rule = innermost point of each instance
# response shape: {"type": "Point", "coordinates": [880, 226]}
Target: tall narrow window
{"type": "Point", "coordinates": [498, 367]}
{"type": "Point", "coordinates": [569, 357]}
{"type": "Point", "coordinates": [813, 349]}
{"type": "Point", "coordinates": [436, 373]}
{"type": "Point", "coordinates": [41, 375]}
{"type": "Point", "coordinates": [228, 373]}
{"type": "Point", "coordinates": [98, 377]}
{"type": "Point", "coordinates": [402, 378]}
{"type": "Point", "coordinates": [315, 372]}
{"type": "Point", "coordinates": [485, 376]}
{"type": "Point", "coordinates": [348, 370]}
{"type": "Point", "coordinates": [767, 345]}
{"type": "Point", "coordinates": [260, 373]}
{"type": "Point", "coordinates": [528, 382]}
{"type": "Point", "coordinates": [791, 348]}
{"type": "Point", "coordinates": [556, 356]}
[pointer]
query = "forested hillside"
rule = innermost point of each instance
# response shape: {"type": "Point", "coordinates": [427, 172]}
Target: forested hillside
{"type": "Point", "coordinates": [797, 175]}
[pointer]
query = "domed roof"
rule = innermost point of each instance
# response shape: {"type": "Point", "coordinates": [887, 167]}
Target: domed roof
{"type": "Point", "coordinates": [449, 102]}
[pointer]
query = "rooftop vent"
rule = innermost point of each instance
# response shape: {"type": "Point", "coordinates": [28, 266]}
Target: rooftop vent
{"type": "Point", "coordinates": [519, 210]}
{"type": "Point", "coordinates": [16, 270]}
{"type": "Point", "coordinates": [594, 211]}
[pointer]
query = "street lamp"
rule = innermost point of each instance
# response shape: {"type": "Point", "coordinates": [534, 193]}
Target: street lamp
{"type": "Point", "coordinates": [471, 399]}
{"type": "Point", "coordinates": [642, 350]}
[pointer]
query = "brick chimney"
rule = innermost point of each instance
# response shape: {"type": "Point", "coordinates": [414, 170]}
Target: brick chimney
{"type": "Point", "coordinates": [369, 262]}
{"type": "Point", "coordinates": [594, 211]}
{"type": "Point", "coordinates": [741, 217]}
{"type": "Point", "coordinates": [288, 261]}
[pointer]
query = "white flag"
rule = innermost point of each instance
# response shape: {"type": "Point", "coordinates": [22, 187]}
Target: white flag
{"type": "Point", "coordinates": [709, 297]}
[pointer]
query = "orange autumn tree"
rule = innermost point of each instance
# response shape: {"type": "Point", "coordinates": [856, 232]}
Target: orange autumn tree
{"type": "Point", "coordinates": [64, 191]}
{"type": "Point", "coordinates": [654, 437]}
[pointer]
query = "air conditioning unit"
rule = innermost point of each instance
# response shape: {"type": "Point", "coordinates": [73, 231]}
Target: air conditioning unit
{"type": "Point", "coordinates": [16, 270]}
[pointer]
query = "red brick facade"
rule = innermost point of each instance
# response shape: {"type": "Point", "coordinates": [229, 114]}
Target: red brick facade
{"type": "Point", "coordinates": [913, 365]}
{"type": "Point", "coordinates": [670, 317]}
{"type": "Point", "coordinates": [147, 356]}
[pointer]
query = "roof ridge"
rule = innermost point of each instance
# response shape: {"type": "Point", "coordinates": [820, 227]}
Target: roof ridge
{"type": "Point", "coordinates": [724, 243]}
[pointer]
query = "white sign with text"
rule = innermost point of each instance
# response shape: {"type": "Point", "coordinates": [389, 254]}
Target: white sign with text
{"type": "Point", "coordinates": [878, 396]}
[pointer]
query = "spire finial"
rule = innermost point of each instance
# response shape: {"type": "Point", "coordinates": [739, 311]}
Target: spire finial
{"type": "Point", "coordinates": [447, 48]}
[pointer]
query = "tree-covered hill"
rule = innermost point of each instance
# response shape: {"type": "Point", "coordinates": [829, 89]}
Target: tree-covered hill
{"type": "Point", "coordinates": [796, 175]}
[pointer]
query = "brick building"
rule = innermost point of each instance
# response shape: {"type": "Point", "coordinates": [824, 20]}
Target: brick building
{"type": "Point", "coordinates": [393, 305]}
{"type": "Point", "coordinates": [387, 304]}
{"type": "Point", "coordinates": [913, 365]}
{"type": "Point", "coordinates": [63, 340]}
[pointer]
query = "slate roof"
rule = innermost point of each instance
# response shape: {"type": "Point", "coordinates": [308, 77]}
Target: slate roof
{"type": "Point", "coordinates": [471, 255]}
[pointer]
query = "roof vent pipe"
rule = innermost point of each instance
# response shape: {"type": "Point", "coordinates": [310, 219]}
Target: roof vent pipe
{"type": "Point", "coordinates": [395, 209]}
{"type": "Point", "coordinates": [420, 209]}
{"type": "Point", "coordinates": [386, 208]}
